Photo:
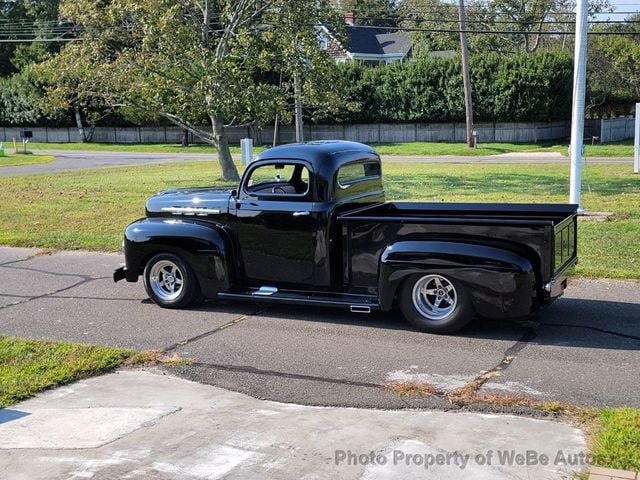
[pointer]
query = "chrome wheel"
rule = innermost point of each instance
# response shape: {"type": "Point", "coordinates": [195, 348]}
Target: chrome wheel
{"type": "Point", "coordinates": [166, 280]}
{"type": "Point", "coordinates": [434, 297]}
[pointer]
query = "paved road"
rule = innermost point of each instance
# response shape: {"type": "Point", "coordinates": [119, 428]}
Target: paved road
{"type": "Point", "coordinates": [585, 350]}
{"type": "Point", "coordinates": [76, 160]}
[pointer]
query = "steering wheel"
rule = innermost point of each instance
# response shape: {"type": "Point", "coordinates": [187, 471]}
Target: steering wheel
{"type": "Point", "coordinates": [277, 189]}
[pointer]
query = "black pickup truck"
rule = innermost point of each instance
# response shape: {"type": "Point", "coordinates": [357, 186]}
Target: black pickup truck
{"type": "Point", "coordinates": [309, 225]}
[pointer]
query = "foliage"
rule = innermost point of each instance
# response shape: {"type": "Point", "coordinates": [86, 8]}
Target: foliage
{"type": "Point", "coordinates": [370, 12]}
{"type": "Point", "coordinates": [613, 77]}
{"type": "Point", "coordinates": [14, 57]}
{"type": "Point", "coordinates": [19, 101]}
{"type": "Point", "coordinates": [508, 26]}
{"type": "Point", "coordinates": [30, 366]}
{"type": "Point", "coordinates": [192, 61]}
{"type": "Point", "coordinates": [521, 87]}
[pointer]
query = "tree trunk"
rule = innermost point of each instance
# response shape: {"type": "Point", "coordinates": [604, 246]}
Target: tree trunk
{"type": "Point", "coordinates": [229, 170]}
{"type": "Point", "coordinates": [79, 124]}
{"type": "Point", "coordinates": [185, 137]}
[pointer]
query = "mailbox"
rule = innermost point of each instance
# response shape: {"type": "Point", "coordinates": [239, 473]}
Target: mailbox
{"type": "Point", "coordinates": [26, 134]}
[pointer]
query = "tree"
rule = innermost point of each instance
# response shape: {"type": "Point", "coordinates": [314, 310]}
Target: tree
{"type": "Point", "coordinates": [69, 83]}
{"type": "Point", "coordinates": [613, 82]}
{"type": "Point", "coordinates": [19, 100]}
{"type": "Point", "coordinates": [190, 61]}
{"type": "Point", "coordinates": [25, 16]}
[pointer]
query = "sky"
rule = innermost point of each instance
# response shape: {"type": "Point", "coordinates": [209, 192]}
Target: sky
{"type": "Point", "coordinates": [620, 6]}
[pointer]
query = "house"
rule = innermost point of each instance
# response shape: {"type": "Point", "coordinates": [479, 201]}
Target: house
{"type": "Point", "coordinates": [371, 45]}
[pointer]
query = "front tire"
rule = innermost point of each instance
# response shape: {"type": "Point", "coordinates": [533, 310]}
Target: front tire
{"type": "Point", "coordinates": [170, 282]}
{"type": "Point", "coordinates": [435, 303]}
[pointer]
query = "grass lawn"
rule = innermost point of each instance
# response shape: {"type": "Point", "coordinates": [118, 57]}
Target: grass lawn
{"type": "Point", "coordinates": [30, 366]}
{"type": "Point", "coordinates": [88, 209]}
{"type": "Point", "coordinates": [616, 443]}
{"type": "Point", "coordinates": [620, 149]}
{"type": "Point", "coordinates": [15, 159]}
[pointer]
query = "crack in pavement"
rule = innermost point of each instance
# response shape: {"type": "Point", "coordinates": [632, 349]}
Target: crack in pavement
{"type": "Point", "coordinates": [507, 358]}
{"type": "Point", "coordinates": [596, 329]}
{"type": "Point", "coordinates": [275, 373]}
{"type": "Point", "coordinates": [47, 272]}
{"type": "Point", "coordinates": [51, 294]}
{"type": "Point", "coordinates": [233, 322]}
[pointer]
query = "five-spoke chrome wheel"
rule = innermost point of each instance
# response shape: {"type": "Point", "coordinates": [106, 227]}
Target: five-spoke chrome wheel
{"type": "Point", "coordinates": [434, 297]}
{"type": "Point", "coordinates": [166, 280]}
{"type": "Point", "coordinates": [171, 282]}
{"type": "Point", "coordinates": [435, 303]}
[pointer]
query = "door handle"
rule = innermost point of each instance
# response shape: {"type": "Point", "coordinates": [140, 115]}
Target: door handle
{"type": "Point", "coordinates": [301, 214]}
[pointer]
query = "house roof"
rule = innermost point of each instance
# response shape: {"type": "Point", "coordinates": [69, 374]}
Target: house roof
{"type": "Point", "coordinates": [377, 41]}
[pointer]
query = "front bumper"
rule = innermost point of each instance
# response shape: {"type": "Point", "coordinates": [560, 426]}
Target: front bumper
{"type": "Point", "coordinates": [119, 274]}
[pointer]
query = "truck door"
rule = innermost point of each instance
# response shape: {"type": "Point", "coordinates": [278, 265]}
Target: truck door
{"type": "Point", "coordinates": [276, 224]}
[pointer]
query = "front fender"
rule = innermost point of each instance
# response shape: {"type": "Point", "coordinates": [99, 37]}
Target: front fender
{"type": "Point", "coordinates": [501, 282]}
{"type": "Point", "coordinates": [206, 246]}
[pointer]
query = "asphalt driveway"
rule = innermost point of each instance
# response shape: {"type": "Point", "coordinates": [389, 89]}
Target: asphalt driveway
{"type": "Point", "coordinates": [584, 349]}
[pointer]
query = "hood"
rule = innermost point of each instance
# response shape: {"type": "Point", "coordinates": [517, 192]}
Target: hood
{"type": "Point", "coordinates": [199, 202]}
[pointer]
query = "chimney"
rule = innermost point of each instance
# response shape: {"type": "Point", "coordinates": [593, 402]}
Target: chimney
{"type": "Point", "coordinates": [350, 18]}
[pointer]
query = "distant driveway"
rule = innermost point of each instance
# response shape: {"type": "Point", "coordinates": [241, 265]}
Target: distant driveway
{"type": "Point", "coordinates": [68, 160]}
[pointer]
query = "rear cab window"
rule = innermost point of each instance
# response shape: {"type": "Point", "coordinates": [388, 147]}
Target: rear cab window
{"type": "Point", "coordinates": [358, 177]}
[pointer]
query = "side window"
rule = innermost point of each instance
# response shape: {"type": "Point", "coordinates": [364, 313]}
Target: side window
{"type": "Point", "coordinates": [356, 172]}
{"type": "Point", "coordinates": [279, 179]}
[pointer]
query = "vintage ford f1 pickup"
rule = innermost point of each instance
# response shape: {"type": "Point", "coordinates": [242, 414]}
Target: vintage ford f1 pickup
{"type": "Point", "coordinates": [309, 224]}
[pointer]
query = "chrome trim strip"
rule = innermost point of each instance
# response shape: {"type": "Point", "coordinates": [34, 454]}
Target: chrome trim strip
{"type": "Point", "coordinates": [200, 212]}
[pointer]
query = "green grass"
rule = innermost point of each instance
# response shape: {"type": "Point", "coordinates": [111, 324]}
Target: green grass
{"type": "Point", "coordinates": [621, 149]}
{"type": "Point", "coordinates": [30, 366]}
{"type": "Point", "coordinates": [618, 149]}
{"type": "Point", "coordinates": [617, 441]}
{"type": "Point", "coordinates": [88, 209]}
{"type": "Point", "coordinates": [16, 159]}
{"type": "Point", "coordinates": [459, 149]}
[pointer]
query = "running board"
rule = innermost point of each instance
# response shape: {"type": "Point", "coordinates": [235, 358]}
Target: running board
{"type": "Point", "coordinates": [355, 303]}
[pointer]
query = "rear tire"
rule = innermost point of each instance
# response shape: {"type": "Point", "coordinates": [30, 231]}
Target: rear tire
{"type": "Point", "coordinates": [170, 282]}
{"type": "Point", "coordinates": [435, 303]}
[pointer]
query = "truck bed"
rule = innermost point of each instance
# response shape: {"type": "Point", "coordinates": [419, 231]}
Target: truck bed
{"type": "Point", "coordinates": [545, 233]}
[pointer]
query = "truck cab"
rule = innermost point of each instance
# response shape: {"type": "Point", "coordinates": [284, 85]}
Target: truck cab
{"type": "Point", "coordinates": [309, 224]}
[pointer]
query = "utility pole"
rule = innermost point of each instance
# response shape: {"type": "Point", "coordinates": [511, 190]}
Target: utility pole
{"type": "Point", "coordinates": [468, 102]}
{"type": "Point", "coordinates": [297, 93]}
{"type": "Point", "coordinates": [579, 88]}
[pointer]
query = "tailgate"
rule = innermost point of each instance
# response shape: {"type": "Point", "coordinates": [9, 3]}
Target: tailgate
{"type": "Point", "coordinates": [565, 245]}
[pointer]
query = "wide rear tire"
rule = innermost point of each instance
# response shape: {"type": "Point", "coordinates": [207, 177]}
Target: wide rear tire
{"type": "Point", "coordinates": [435, 303]}
{"type": "Point", "coordinates": [170, 282]}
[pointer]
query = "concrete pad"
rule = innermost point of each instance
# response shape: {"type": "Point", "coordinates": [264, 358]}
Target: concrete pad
{"type": "Point", "coordinates": [124, 323]}
{"type": "Point", "coordinates": [64, 428]}
{"type": "Point", "coordinates": [221, 434]}
{"type": "Point", "coordinates": [11, 254]}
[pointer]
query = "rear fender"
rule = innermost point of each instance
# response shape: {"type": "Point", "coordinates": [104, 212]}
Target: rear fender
{"type": "Point", "coordinates": [501, 282]}
{"type": "Point", "coordinates": [205, 246]}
